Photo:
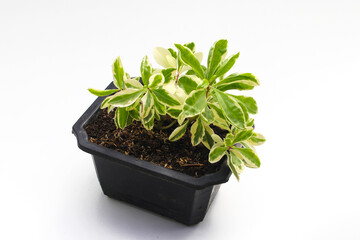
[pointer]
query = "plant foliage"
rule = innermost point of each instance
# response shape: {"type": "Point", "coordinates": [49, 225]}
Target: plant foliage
{"type": "Point", "coordinates": [194, 96]}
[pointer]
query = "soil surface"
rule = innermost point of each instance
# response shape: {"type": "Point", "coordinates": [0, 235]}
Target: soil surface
{"type": "Point", "coordinates": [152, 146]}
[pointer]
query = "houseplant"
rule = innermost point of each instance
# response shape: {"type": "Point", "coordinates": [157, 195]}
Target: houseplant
{"type": "Point", "coordinates": [190, 100]}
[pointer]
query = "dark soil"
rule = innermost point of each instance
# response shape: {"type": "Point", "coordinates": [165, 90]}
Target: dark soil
{"type": "Point", "coordinates": [152, 146]}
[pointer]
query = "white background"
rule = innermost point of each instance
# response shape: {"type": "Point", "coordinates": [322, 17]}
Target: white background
{"type": "Point", "coordinates": [305, 53]}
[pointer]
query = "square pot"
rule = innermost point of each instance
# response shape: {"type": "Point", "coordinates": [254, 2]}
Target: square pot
{"type": "Point", "coordinates": [161, 190]}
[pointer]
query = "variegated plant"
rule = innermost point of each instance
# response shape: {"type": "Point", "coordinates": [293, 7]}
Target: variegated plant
{"type": "Point", "coordinates": [193, 96]}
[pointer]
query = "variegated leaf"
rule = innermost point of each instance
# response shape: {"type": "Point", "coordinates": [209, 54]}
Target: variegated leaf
{"type": "Point", "coordinates": [217, 152]}
{"type": "Point", "coordinates": [248, 156]}
{"type": "Point", "coordinates": [197, 131]}
{"type": "Point", "coordinates": [125, 97]}
{"type": "Point", "coordinates": [178, 132]}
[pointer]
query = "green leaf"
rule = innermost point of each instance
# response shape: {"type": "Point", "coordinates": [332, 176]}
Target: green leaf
{"type": "Point", "coordinates": [225, 66]}
{"type": "Point", "coordinates": [118, 73]}
{"type": "Point", "coordinates": [125, 97]}
{"type": "Point", "coordinates": [216, 53]}
{"type": "Point", "coordinates": [242, 134]}
{"type": "Point", "coordinates": [134, 113]}
{"type": "Point", "coordinates": [121, 117]}
{"type": "Point", "coordinates": [147, 104]}
{"type": "Point", "coordinates": [232, 167]}
{"type": "Point", "coordinates": [219, 117]}
{"type": "Point", "coordinates": [168, 74]}
{"type": "Point", "coordinates": [160, 108]}
{"type": "Point", "coordinates": [190, 46]}
{"type": "Point", "coordinates": [174, 113]}
{"type": "Point", "coordinates": [164, 97]}
{"type": "Point", "coordinates": [208, 115]}
{"type": "Point", "coordinates": [188, 83]}
{"type": "Point", "coordinates": [102, 93]}
{"type": "Point", "coordinates": [236, 161]}
{"type": "Point", "coordinates": [231, 109]}
{"type": "Point", "coordinates": [195, 103]}
{"type": "Point", "coordinates": [208, 141]}
{"type": "Point", "coordinates": [249, 102]}
{"type": "Point", "coordinates": [189, 58]}
{"type": "Point", "coordinates": [156, 80]}
{"type": "Point", "coordinates": [197, 131]}
{"type": "Point", "coordinates": [217, 152]}
{"type": "Point", "coordinates": [178, 132]}
{"type": "Point", "coordinates": [250, 122]}
{"type": "Point", "coordinates": [173, 52]}
{"type": "Point", "coordinates": [237, 81]}
{"type": "Point", "coordinates": [105, 103]}
{"type": "Point", "coordinates": [133, 83]}
{"type": "Point", "coordinates": [257, 139]}
{"type": "Point", "coordinates": [146, 70]}
{"type": "Point", "coordinates": [148, 121]}
{"type": "Point", "coordinates": [229, 140]}
{"type": "Point", "coordinates": [248, 156]}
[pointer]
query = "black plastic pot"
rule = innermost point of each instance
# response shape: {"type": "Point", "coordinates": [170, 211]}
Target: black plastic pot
{"type": "Point", "coordinates": [144, 184]}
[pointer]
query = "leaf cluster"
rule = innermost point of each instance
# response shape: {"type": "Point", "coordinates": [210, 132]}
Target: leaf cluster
{"type": "Point", "coordinates": [194, 96]}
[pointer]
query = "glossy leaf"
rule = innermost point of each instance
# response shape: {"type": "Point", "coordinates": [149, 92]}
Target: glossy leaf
{"type": "Point", "coordinates": [231, 109]}
{"type": "Point", "coordinates": [118, 73]}
{"type": "Point", "coordinates": [121, 117]}
{"type": "Point", "coordinates": [146, 70]}
{"type": "Point", "coordinates": [168, 74]}
{"type": "Point", "coordinates": [257, 139]}
{"type": "Point", "coordinates": [188, 83]}
{"type": "Point", "coordinates": [208, 141]}
{"type": "Point", "coordinates": [225, 66]}
{"type": "Point", "coordinates": [156, 80]}
{"type": "Point", "coordinates": [197, 131]}
{"type": "Point", "coordinates": [160, 108]}
{"type": "Point", "coordinates": [102, 93]}
{"type": "Point", "coordinates": [217, 152]}
{"type": "Point", "coordinates": [248, 156]}
{"type": "Point", "coordinates": [195, 103]}
{"type": "Point", "coordinates": [208, 115]}
{"type": "Point", "coordinates": [133, 83]}
{"type": "Point", "coordinates": [216, 53]}
{"type": "Point", "coordinates": [243, 134]}
{"type": "Point", "coordinates": [249, 102]}
{"type": "Point", "coordinates": [244, 81]}
{"type": "Point", "coordinates": [125, 97]}
{"type": "Point", "coordinates": [178, 132]}
{"type": "Point", "coordinates": [164, 97]}
{"type": "Point", "coordinates": [147, 104]}
{"type": "Point", "coordinates": [189, 58]}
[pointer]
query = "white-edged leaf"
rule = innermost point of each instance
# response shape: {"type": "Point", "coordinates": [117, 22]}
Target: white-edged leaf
{"type": "Point", "coordinates": [189, 58]}
{"type": "Point", "coordinates": [125, 97]}
{"type": "Point", "coordinates": [195, 103]}
{"type": "Point", "coordinates": [173, 112]}
{"type": "Point", "coordinates": [208, 141]}
{"type": "Point", "coordinates": [178, 132]}
{"type": "Point", "coordinates": [156, 80]}
{"type": "Point", "coordinates": [217, 152]}
{"type": "Point", "coordinates": [189, 83]}
{"type": "Point", "coordinates": [226, 65]}
{"type": "Point", "coordinates": [242, 134]}
{"type": "Point", "coordinates": [102, 93]}
{"type": "Point", "coordinates": [160, 108]}
{"type": "Point", "coordinates": [231, 109]}
{"type": "Point", "coordinates": [133, 83]}
{"type": "Point", "coordinates": [146, 70]}
{"type": "Point", "coordinates": [160, 55]}
{"type": "Point", "coordinates": [238, 81]}
{"type": "Point", "coordinates": [248, 156]}
{"type": "Point", "coordinates": [118, 73]}
{"type": "Point", "coordinates": [257, 139]}
{"type": "Point", "coordinates": [121, 117]}
{"type": "Point", "coordinates": [197, 131]}
{"type": "Point", "coordinates": [147, 104]}
{"type": "Point", "coordinates": [105, 103]}
{"type": "Point", "coordinates": [216, 53]}
{"type": "Point", "coordinates": [217, 138]}
{"type": "Point", "coordinates": [208, 115]}
{"type": "Point", "coordinates": [164, 97]}
{"type": "Point", "coordinates": [249, 102]}
{"type": "Point", "coordinates": [236, 171]}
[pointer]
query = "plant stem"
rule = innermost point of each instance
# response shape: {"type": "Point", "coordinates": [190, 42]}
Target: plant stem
{"type": "Point", "coordinates": [168, 126]}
